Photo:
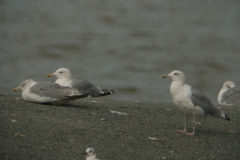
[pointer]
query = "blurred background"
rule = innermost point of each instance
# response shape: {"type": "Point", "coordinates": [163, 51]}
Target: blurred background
{"type": "Point", "coordinates": [124, 45]}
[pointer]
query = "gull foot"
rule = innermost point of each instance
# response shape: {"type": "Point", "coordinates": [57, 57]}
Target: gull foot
{"type": "Point", "coordinates": [189, 134]}
{"type": "Point", "coordinates": [181, 131]}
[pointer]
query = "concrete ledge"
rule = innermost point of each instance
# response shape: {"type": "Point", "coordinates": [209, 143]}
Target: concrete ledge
{"type": "Point", "coordinates": [116, 129]}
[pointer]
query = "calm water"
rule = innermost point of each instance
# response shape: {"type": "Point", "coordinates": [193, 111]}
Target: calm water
{"type": "Point", "coordinates": [123, 45]}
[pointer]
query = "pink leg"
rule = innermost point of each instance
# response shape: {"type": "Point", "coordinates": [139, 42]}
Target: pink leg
{"type": "Point", "coordinates": [193, 133]}
{"type": "Point", "coordinates": [185, 127]}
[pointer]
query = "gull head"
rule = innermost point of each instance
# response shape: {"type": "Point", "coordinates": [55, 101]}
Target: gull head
{"type": "Point", "coordinates": [61, 73]}
{"type": "Point", "coordinates": [227, 85]}
{"type": "Point", "coordinates": [175, 76]}
{"type": "Point", "coordinates": [25, 84]}
{"type": "Point", "coordinates": [90, 152]}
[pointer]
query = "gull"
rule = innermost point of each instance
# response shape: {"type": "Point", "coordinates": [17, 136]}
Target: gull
{"type": "Point", "coordinates": [229, 94]}
{"type": "Point", "coordinates": [64, 78]}
{"type": "Point", "coordinates": [91, 154]}
{"type": "Point", "coordinates": [191, 101]}
{"type": "Point", "coordinates": [47, 92]}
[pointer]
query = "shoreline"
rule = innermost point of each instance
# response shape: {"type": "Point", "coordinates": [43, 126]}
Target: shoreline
{"type": "Point", "coordinates": [116, 129]}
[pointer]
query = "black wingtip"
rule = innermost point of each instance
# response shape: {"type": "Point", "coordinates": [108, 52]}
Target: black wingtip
{"type": "Point", "coordinates": [227, 118]}
{"type": "Point", "coordinates": [106, 92]}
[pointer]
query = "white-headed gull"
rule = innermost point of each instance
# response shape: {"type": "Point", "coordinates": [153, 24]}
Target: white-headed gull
{"type": "Point", "coordinates": [64, 78]}
{"type": "Point", "coordinates": [91, 154]}
{"type": "Point", "coordinates": [47, 92]}
{"type": "Point", "coordinates": [191, 101]}
{"type": "Point", "coordinates": [229, 94]}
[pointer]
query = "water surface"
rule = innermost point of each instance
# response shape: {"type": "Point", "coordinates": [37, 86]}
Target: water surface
{"type": "Point", "coordinates": [122, 45]}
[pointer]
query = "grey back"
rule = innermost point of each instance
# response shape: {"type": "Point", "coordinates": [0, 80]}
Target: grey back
{"type": "Point", "coordinates": [199, 99]}
{"type": "Point", "coordinates": [232, 96]}
{"type": "Point", "coordinates": [86, 87]}
{"type": "Point", "coordinates": [52, 90]}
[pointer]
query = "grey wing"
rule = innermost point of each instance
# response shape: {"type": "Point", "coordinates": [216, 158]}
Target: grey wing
{"type": "Point", "coordinates": [199, 99]}
{"type": "Point", "coordinates": [232, 96]}
{"type": "Point", "coordinates": [52, 90]}
{"type": "Point", "coordinates": [86, 87]}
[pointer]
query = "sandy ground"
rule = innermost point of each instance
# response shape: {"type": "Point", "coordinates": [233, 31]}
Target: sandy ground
{"type": "Point", "coordinates": [137, 131]}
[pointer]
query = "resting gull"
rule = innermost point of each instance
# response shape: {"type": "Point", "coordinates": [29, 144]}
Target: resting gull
{"type": "Point", "coordinates": [47, 92]}
{"type": "Point", "coordinates": [229, 94]}
{"type": "Point", "coordinates": [191, 101]}
{"type": "Point", "coordinates": [64, 78]}
{"type": "Point", "coordinates": [91, 154]}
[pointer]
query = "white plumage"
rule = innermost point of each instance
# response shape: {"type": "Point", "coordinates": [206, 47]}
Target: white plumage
{"type": "Point", "coordinates": [91, 154]}
{"type": "Point", "coordinates": [47, 92]}
{"type": "Point", "coordinates": [229, 94]}
{"type": "Point", "coordinates": [191, 101]}
{"type": "Point", "coordinates": [64, 78]}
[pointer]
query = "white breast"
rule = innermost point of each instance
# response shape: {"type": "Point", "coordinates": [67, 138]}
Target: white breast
{"type": "Point", "coordinates": [181, 96]}
{"type": "Point", "coordinates": [64, 82]}
{"type": "Point", "coordinates": [220, 97]}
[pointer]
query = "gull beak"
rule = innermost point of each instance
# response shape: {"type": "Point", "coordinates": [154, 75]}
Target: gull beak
{"type": "Point", "coordinates": [165, 76]}
{"type": "Point", "coordinates": [84, 153]}
{"type": "Point", "coordinates": [50, 74]}
{"type": "Point", "coordinates": [15, 89]}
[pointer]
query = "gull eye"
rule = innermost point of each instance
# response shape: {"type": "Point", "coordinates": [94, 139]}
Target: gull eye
{"type": "Point", "coordinates": [23, 85]}
{"type": "Point", "coordinates": [175, 73]}
{"type": "Point", "coordinates": [60, 72]}
{"type": "Point", "coordinates": [90, 151]}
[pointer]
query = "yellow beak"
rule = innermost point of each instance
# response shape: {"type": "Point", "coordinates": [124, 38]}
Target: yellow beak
{"type": "Point", "coordinates": [50, 74]}
{"type": "Point", "coordinates": [15, 89]}
{"type": "Point", "coordinates": [165, 76]}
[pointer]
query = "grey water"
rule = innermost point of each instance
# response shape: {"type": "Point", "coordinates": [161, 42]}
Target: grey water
{"type": "Point", "coordinates": [122, 45]}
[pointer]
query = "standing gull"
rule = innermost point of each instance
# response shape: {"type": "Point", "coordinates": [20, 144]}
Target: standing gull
{"type": "Point", "coordinates": [64, 78]}
{"type": "Point", "coordinates": [47, 92]}
{"type": "Point", "coordinates": [191, 101]}
{"type": "Point", "coordinates": [91, 154]}
{"type": "Point", "coordinates": [229, 94]}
